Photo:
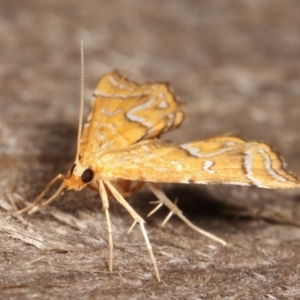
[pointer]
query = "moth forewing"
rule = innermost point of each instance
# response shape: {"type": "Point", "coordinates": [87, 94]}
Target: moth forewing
{"type": "Point", "coordinates": [133, 113]}
{"type": "Point", "coordinates": [217, 160]}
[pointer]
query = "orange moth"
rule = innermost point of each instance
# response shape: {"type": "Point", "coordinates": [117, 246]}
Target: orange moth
{"type": "Point", "coordinates": [119, 151]}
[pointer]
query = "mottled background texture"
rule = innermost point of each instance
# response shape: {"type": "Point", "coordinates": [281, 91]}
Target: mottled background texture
{"type": "Point", "coordinates": [236, 65]}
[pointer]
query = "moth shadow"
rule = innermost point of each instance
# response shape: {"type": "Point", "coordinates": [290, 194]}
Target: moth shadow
{"type": "Point", "coordinates": [56, 145]}
{"type": "Point", "coordinates": [59, 147]}
{"type": "Point", "coordinates": [196, 203]}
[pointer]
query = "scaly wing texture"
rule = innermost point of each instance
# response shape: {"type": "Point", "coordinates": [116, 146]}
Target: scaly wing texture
{"type": "Point", "coordinates": [124, 112]}
{"type": "Point", "coordinates": [218, 160]}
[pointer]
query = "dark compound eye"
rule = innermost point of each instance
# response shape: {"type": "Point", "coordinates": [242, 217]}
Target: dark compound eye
{"type": "Point", "coordinates": [87, 175]}
{"type": "Point", "coordinates": [72, 169]}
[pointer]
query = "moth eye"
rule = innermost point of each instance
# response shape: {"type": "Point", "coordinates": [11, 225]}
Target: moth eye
{"type": "Point", "coordinates": [87, 175]}
{"type": "Point", "coordinates": [72, 169]}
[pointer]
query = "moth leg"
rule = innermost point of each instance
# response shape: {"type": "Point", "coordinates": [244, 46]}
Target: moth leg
{"type": "Point", "coordinates": [36, 203]}
{"type": "Point", "coordinates": [136, 187]}
{"type": "Point", "coordinates": [157, 207]}
{"type": "Point", "coordinates": [137, 219]}
{"type": "Point", "coordinates": [105, 202]}
{"type": "Point", "coordinates": [176, 211]}
{"type": "Point", "coordinates": [127, 188]}
{"type": "Point", "coordinates": [170, 214]}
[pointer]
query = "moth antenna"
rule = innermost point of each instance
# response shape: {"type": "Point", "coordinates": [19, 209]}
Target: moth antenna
{"type": "Point", "coordinates": [117, 88]}
{"type": "Point", "coordinates": [122, 79]}
{"type": "Point", "coordinates": [81, 102]}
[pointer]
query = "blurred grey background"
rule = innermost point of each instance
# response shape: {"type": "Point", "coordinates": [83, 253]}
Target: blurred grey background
{"type": "Point", "coordinates": [236, 65]}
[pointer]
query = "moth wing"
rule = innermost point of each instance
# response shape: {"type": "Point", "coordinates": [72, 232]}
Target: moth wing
{"type": "Point", "coordinates": [218, 160]}
{"type": "Point", "coordinates": [124, 112]}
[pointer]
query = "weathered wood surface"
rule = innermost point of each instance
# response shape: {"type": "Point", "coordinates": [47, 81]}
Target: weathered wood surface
{"type": "Point", "coordinates": [236, 65]}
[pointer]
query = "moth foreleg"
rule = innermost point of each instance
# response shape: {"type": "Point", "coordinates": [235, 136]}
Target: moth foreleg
{"type": "Point", "coordinates": [105, 202]}
{"type": "Point", "coordinates": [36, 203]}
{"type": "Point", "coordinates": [176, 211]}
{"type": "Point", "coordinates": [137, 219]}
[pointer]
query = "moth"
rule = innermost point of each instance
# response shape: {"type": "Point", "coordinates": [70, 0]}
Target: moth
{"type": "Point", "coordinates": [119, 151]}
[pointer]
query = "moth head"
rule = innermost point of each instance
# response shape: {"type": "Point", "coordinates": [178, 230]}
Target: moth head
{"type": "Point", "coordinates": [78, 177]}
